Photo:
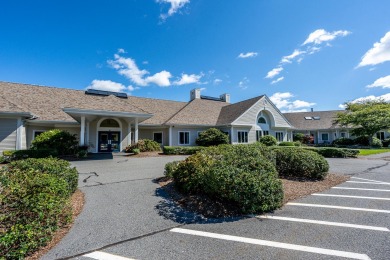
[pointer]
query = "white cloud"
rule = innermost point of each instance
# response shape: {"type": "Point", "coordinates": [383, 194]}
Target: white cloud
{"type": "Point", "coordinates": [188, 79]}
{"type": "Point", "coordinates": [379, 53]}
{"type": "Point", "coordinates": [289, 58]}
{"type": "Point", "coordinates": [217, 81]}
{"type": "Point", "coordinates": [319, 36]}
{"type": "Point", "coordinates": [109, 85]}
{"type": "Point", "coordinates": [274, 72]}
{"type": "Point", "coordinates": [385, 97]}
{"type": "Point", "coordinates": [243, 84]}
{"type": "Point", "coordinates": [120, 50]}
{"type": "Point", "coordinates": [247, 55]}
{"type": "Point", "coordinates": [175, 6]}
{"type": "Point", "coordinates": [128, 68]}
{"type": "Point", "coordinates": [383, 82]}
{"type": "Point", "coordinates": [145, 62]}
{"type": "Point", "coordinates": [277, 80]}
{"type": "Point", "coordinates": [283, 101]}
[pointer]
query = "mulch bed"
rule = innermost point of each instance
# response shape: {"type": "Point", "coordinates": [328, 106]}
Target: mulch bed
{"type": "Point", "coordinates": [294, 188]}
{"type": "Point", "coordinates": [77, 202]}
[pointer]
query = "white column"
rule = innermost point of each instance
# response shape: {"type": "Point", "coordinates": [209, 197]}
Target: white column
{"type": "Point", "coordinates": [231, 135]}
{"type": "Point", "coordinates": [19, 134]}
{"type": "Point", "coordinates": [82, 131]}
{"type": "Point", "coordinates": [129, 134]}
{"type": "Point", "coordinates": [318, 137]}
{"type": "Point", "coordinates": [136, 131]}
{"type": "Point", "coordinates": [170, 136]}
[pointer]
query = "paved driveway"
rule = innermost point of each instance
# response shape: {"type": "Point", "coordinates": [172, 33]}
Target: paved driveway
{"type": "Point", "coordinates": [127, 216]}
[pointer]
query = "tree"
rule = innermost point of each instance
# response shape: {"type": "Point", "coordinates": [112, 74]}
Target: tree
{"type": "Point", "coordinates": [366, 117]}
{"type": "Point", "coordinates": [212, 136]}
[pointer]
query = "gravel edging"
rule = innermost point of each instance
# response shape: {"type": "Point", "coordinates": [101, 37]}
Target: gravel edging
{"type": "Point", "coordinates": [77, 201]}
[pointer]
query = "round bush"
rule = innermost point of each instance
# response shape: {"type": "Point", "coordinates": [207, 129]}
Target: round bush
{"type": "Point", "coordinates": [343, 141]}
{"type": "Point", "coordinates": [212, 137]}
{"type": "Point", "coordinates": [268, 140]}
{"type": "Point", "coordinates": [239, 173]}
{"type": "Point", "coordinates": [144, 145]}
{"type": "Point", "coordinates": [63, 142]}
{"type": "Point", "coordinates": [286, 144]}
{"type": "Point", "coordinates": [362, 140]}
{"type": "Point", "coordinates": [298, 162]}
{"type": "Point", "coordinates": [376, 142]}
{"type": "Point", "coordinates": [298, 137]}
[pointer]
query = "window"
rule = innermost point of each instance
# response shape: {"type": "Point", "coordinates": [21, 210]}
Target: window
{"type": "Point", "coordinates": [259, 134]}
{"type": "Point", "coordinates": [37, 132]}
{"type": "Point", "coordinates": [316, 117]}
{"type": "Point", "coordinates": [343, 134]}
{"type": "Point", "coordinates": [325, 137]}
{"type": "Point", "coordinates": [261, 120]}
{"type": "Point", "coordinates": [279, 136]}
{"type": "Point", "coordinates": [109, 123]}
{"type": "Point", "coordinates": [308, 118]}
{"type": "Point", "coordinates": [184, 138]}
{"type": "Point", "coordinates": [380, 135]}
{"type": "Point", "coordinates": [265, 133]}
{"type": "Point", "coordinates": [158, 137]}
{"type": "Point", "coordinates": [242, 136]}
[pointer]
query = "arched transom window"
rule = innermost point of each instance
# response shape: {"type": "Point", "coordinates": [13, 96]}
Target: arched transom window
{"type": "Point", "coordinates": [109, 123]}
{"type": "Point", "coordinates": [261, 120]}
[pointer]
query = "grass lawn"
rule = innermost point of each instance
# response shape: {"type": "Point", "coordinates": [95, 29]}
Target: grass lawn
{"type": "Point", "coordinates": [372, 151]}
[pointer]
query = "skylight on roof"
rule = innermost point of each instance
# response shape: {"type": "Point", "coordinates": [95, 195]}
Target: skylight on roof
{"type": "Point", "coordinates": [316, 117]}
{"type": "Point", "coordinates": [105, 93]}
{"type": "Point", "coordinates": [308, 118]}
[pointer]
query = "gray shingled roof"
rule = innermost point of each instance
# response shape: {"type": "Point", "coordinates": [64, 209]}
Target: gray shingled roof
{"type": "Point", "coordinates": [297, 119]}
{"type": "Point", "coordinates": [8, 106]}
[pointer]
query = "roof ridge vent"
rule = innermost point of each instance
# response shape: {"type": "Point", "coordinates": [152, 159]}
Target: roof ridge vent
{"type": "Point", "coordinates": [98, 92]}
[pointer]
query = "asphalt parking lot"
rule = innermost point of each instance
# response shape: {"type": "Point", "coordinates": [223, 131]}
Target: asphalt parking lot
{"type": "Point", "coordinates": [127, 216]}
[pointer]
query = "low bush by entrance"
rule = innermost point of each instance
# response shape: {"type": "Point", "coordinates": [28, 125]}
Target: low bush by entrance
{"type": "Point", "coordinates": [143, 145]}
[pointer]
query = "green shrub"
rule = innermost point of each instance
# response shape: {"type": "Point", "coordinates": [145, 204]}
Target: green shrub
{"type": "Point", "coordinates": [286, 144]}
{"type": "Point", "coordinates": [268, 140]}
{"type": "Point", "coordinates": [236, 173]}
{"type": "Point", "coordinates": [3, 160]}
{"type": "Point", "coordinates": [376, 142]}
{"type": "Point", "coordinates": [144, 145]}
{"type": "Point", "coordinates": [386, 142]}
{"type": "Point", "coordinates": [329, 152]}
{"type": "Point", "coordinates": [212, 136]}
{"type": "Point", "coordinates": [181, 150]}
{"type": "Point", "coordinates": [344, 141]}
{"type": "Point", "coordinates": [170, 168]}
{"type": "Point", "coordinates": [297, 143]}
{"type": "Point", "coordinates": [299, 137]}
{"type": "Point", "coordinates": [298, 162]}
{"type": "Point", "coordinates": [31, 153]}
{"type": "Point", "coordinates": [136, 151]}
{"type": "Point", "coordinates": [52, 166]}
{"type": "Point", "coordinates": [61, 141]}
{"type": "Point", "coordinates": [362, 140]}
{"type": "Point", "coordinates": [34, 204]}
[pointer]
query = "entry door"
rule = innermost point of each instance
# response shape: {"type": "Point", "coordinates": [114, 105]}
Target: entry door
{"type": "Point", "coordinates": [109, 141]}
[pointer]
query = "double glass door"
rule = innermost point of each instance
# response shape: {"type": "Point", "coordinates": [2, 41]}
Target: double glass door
{"type": "Point", "coordinates": [109, 141]}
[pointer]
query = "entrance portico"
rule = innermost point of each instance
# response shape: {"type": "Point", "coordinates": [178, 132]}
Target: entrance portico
{"type": "Point", "coordinates": [107, 131]}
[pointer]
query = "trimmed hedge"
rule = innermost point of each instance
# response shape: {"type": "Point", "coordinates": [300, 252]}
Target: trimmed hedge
{"type": "Point", "coordinates": [63, 142]}
{"type": "Point", "coordinates": [24, 154]}
{"type": "Point", "coordinates": [34, 204]}
{"type": "Point", "coordinates": [332, 152]}
{"type": "Point", "coordinates": [287, 144]}
{"type": "Point", "coordinates": [298, 162]}
{"type": "Point", "coordinates": [236, 173]}
{"type": "Point", "coordinates": [212, 136]}
{"type": "Point", "coordinates": [181, 150]}
{"type": "Point", "coordinates": [268, 140]}
{"type": "Point", "coordinates": [144, 145]}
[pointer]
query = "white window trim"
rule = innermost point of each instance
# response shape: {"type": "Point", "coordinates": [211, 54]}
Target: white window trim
{"type": "Point", "coordinates": [247, 137]}
{"type": "Point", "coordinates": [279, 132]}
{"type": "Point", "coordinates": [178, 137]}
{"type": "Point", "coordinates": [326, 134]}
{"type": "Point", "coordinates": [346, 134]}
{"type": "Point", "coordinates": [162, 136]}
{"type": "Point", "coordinates": [34, 131]}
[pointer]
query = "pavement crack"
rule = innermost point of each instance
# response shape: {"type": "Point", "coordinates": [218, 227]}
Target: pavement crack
{"type": "Point", "coordinates": [115, 182]}
{"type": "Point", "coordinates": [121, 242]}
{"type": "Point", "coordinates": [376, 167]}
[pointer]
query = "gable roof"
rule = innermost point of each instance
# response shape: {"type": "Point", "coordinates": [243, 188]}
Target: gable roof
{"type": "Point", "coordinates": [8, 106]}
{"type": "Point", "coordinates": [231, 112]}
{"type": "Point", "coordinates": [326, 121]}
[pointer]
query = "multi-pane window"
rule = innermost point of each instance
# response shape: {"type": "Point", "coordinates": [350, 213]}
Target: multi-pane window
{"type": "Point", "coordinates": [184, 138]}
{"type": "Point", "coordinates": [261, 120]}
{"type": "Point", "coordinates": [279, 136]}
{"type": "Point", "coordinates": [158, 137]}
{"type": "Point", "coordinates": [259, 134]}
{"type": "Point", "coordinates": [265, 133]}
{"type": "Point", "coordinates": [343, 134]}
{"type": "Point", "coordinates": [380, 135]}
{"type": "Point", "coordinates": [242, 136]}
{"type": "Point", "coordinates": [325, 137]}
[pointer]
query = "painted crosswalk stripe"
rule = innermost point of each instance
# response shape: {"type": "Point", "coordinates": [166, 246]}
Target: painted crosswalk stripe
{"type": "Point", "coordinates": [337, 207]}
{"type": "Point", "coordinates": [328, 223]}
{"type": "Point", "coordinates": [99, 255]}
{"type": "Point", "coordinates": [348, 188]}
{"type": "Point", "coordinates": [349, 196]}
{"type": "Point", "coordinates": [268, 243]}
{"type": "Point", "coordinates": [369, 182]}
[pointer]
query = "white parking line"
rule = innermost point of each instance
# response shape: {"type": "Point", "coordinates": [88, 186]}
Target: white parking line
{"type": "Point", "coordinates": [366, 182]}
{"type": "Point", "coordinates": [338, 224]}
{"type": "Point", "coordinates": [348, 196]}
{"type": "Point", "coordinates": [338, 207]}
{"type": "Point", "coordinates": [348, 188]}
{"type": "Point", "coordinates": [309, 249]}
{"type": "Point", "coordinates": [105, 256]}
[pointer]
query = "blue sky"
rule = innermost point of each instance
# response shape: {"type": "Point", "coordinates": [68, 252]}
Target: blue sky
{"type": "Point", "coordinates": [302, 54]}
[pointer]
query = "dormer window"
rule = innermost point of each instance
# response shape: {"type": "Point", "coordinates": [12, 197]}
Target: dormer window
{"type": "Point", "coordinates": [261, 120]}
